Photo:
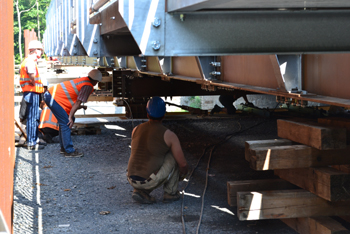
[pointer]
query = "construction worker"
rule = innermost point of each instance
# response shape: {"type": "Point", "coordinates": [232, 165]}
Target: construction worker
{"type": "Point", "coordinates": [64, 99]}
{"type": "Point", "coordinates": [156, 157]}
{"type": "Point", "coordinates": [32, 87]}
{"type": "Point", "coordinates": [48, 125]}
{"type": "Point", "coordinates": [228, 100]}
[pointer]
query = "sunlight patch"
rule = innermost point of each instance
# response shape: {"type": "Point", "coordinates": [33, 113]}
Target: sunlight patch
{"type": "Point", "coordinates": [190, 194]}
{"type": "Point", "coordinates": [115, 127]}
{"type": "Point", "coordinates": [223, 209]}
{"type": "Point", "coordinates": [119, 135]}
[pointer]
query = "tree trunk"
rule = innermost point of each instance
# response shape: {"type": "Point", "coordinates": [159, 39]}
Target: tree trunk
{"type": "Point", "coordinates": [19, 31]}
{"type": "Point", "coordinates": [37, 8]}
{"type": "Point", "coordinates": [20, 27]}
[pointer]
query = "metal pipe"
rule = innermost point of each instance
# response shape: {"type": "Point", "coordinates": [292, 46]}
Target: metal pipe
{"type": "Point", "coordinates": [98, 5]}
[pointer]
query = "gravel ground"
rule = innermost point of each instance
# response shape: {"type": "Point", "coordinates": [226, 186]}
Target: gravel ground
{"type": "Point", "coordinates": [54, 194]}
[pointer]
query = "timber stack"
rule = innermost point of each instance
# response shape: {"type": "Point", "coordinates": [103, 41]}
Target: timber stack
{"type": "Point", "coordinates": [313, 163]}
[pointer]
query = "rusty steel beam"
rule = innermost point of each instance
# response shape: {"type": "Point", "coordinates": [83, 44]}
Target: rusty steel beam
{"type": "Point", "coordinates": [323, 78]}
{"type": "Point", "coordinates": [251, 70]}
{"type": "Point", "coordinates": [7, 152]}
{"type": "Point", "coordinates": [327, 74]}
{"type": "Point", "coordinates": [126, 84]}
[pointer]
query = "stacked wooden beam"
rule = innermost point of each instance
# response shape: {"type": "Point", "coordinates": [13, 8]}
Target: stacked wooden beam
{"type": "Point", "coordinates": [312, 157]}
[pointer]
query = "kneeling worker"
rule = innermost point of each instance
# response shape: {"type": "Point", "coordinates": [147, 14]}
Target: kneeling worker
{"type": "Point", "coordinates": [156, 157]}
{"type": "Point", "coordinates": [48, 125]}
{"type": "Point", "coordinates": [64, 99]}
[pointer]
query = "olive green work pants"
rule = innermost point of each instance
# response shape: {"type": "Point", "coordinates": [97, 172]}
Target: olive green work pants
{"type": "Point", "coordinates": [168, 175]}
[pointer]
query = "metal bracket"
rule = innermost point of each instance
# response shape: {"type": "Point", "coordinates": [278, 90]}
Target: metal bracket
{"type": "Point", "coordinates": [288, 72]}
{"type": "Point", "coordinates": [209, 88]}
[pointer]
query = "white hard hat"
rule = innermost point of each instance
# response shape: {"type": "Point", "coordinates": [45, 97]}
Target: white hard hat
{"type": "Point", "coordinates": [35, 45]}
{"type": "Point", "coordinates": [95, 75]}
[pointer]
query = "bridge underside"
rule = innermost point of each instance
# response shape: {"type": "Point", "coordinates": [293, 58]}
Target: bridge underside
{"type": "Point", "coordinates": [290, 49]}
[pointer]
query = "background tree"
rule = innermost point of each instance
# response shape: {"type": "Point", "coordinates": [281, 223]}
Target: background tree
{"type": "Point", "coordinates": [28, 14]}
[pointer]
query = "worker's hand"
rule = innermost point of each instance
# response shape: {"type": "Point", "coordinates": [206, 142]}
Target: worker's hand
{"type": "Point", "coordinates": [41, 105]}
{"type": "Point", "coordinates": [70, 122]}
{"type": "Point", "coordinates": [82, 106]}
{"type": "Point", "coordinates": [184, 172]}
{"type": "Point", "coordinates": [32, 83]}
{"type": "Point", "coordinates": [182, 177]}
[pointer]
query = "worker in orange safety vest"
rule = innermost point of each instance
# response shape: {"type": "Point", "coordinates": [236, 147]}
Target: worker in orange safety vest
{"type": "Point", "coordinates": [32, 87]}
{"type": "Point", "coordinates": [64, 99]}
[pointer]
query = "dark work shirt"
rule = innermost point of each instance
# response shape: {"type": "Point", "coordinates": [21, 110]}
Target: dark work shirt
{"type": "Point", "coordinates": [84, 93]}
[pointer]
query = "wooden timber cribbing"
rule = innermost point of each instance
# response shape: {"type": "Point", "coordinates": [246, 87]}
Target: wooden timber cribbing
{"type": "Point", "coordinates": [340, 123]}
{"type": "Point", "coordinates": [315, 135]}
{"type": "Point", "coordinates": [316, 225]}
{"type": "Point", "coordinates": [325, 182]}
{"type": "Point", "coordinates": [313, 157]}
{"type": "Point", "coordinates": [281, 204]}
{"type": "Point", "coordinates": [270, 157]}
{"type": "Point", "coordinates": [263, 143]}
{"type": "Point", "coordinates": [255, 185]}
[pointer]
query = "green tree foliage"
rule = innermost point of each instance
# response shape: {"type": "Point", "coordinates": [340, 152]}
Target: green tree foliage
{"type": "Point", "coordinates": [195, 102]}
{"type": "Point", "coordinates": [29, 21]}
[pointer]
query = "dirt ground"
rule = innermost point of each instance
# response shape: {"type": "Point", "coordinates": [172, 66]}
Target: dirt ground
{"type": "Point", "coordinates": [54, 194]}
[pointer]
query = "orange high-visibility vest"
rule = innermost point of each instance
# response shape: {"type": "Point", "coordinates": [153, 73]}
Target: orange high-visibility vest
{"type": "Point", "coordinates": [47, 119]}
{"type": "Point", "coordinates": [66, 93]}
{"type": "Point", "coordinates": [24, 80]}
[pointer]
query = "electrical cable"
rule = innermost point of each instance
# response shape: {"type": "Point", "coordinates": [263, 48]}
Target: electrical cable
{"type": "Point", "coordinates": [227, 137]}
{"type": "Point", "coordinates": [183, 191]}
{"type": "Point", "coordinates": [132, 119]}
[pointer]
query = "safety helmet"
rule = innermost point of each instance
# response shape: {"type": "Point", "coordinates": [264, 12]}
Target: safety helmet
{"type": "Point", "coordinates": [156, 107]}
{"type": "Point", "coordinates": [95, 74]}
{"type": "Point", "coordinates": [35, 45]}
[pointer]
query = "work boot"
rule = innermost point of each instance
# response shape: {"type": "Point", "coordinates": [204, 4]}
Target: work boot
{"type": "Point", "coordinates": [171, 197]}
{"type": "Point", "coordinates": [62, 151]}
{"type": "Point", "coordinates": [142, 197]}
{"type": "Point", "coordinates": [75, 154]}
{"type": "Point", "coordinates": [35, 147]}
